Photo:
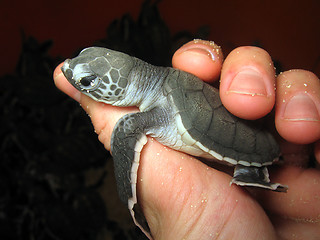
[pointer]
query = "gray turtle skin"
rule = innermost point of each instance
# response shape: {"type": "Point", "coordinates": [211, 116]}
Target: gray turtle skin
{"type": "Point", "coordinates": [177, 109]}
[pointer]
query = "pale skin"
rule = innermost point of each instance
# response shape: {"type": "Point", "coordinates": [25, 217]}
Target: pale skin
{"type": "Point", "coordinates": [182, 198]}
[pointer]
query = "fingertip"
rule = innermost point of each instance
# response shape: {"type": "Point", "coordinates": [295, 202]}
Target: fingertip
{"type": "Point", "coordinates": [247, 87]}
{"type": "Point", "coordinates": [201, 58]}
{"type": "Point", "coordinates": [298, 106]}
{"type": "Point", "coordinates": [57, 71]}
{"type": "Point", "coordinates": [298, 132]}
{"type": "Point", "coordinates": [247, 107]}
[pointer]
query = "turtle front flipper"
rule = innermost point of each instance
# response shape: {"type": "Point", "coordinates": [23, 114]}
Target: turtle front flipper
{"type": "Point", "coordinates": [255, 177]}
{"type": "Point", "coordinates": [127, 141]}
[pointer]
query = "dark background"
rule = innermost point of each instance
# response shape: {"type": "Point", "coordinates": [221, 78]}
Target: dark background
{"type": "Point", "coordinates": [288, 30]}
{"type": "Point", "coordinates": [56, 180]}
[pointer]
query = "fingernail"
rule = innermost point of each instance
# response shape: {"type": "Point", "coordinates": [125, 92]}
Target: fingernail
{"type": "Point", "coordinates": [202, 51]}
{"type": "Point", "coordinates": [248, 82]}
{"type": "Point", "coordinates": [301, 108]}
{"type": "Point", "coordinates": [208, 48]}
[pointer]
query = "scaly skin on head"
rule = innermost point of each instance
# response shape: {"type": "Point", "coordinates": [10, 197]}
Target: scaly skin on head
{"type": "Point", "coordinates": [115, 78]}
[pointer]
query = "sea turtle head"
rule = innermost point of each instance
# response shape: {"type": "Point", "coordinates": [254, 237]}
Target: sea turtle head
{"type": "Point", "coordinates": [100, 73]}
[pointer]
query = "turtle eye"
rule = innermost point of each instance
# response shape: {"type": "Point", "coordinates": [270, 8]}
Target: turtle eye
{"type": "Point", "coordinates": [86, 81]}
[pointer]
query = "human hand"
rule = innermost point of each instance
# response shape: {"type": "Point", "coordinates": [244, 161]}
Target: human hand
{"type": "Point", "coordinates": [184, 199]}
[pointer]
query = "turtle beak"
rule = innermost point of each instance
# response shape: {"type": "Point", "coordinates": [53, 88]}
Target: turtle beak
{"type": "Point", "coordinates": [65, 65]}
{"type": "Point", "coordinates": [65, 68]}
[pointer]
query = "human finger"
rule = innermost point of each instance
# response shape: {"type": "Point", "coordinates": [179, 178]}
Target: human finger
{"type": "Point", "coordinates": [201, 58]}
{"type": "Point", "coordinates": [247, 87]}
{"type": "Point", "coordinates": [298, 106]}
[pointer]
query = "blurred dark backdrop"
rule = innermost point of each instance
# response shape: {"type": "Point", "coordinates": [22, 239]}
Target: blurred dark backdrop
{"type": "Point", "coordinates": [288, 30]}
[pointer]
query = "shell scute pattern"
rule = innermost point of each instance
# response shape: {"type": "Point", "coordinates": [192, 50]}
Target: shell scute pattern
{"type": "Point", "coordinates": [262, 146]}
{"type": "Point", "coordinates": [186, 120]}
{"type": "Point", "coordinates": [232, 154]}
{"type": "Point", "coordinates": [219, 126]}
{"type": "Point", "coordinates": [253, 159]}
{"type": "Point", "coordinates": [195, 134]}
{"type": "Point", "coordinates": [199, 110]}
{"type": "Point", "coordinates": [210, 93]}
{"type": "Point", "coordinates": [244, 134]}
{"type": "Point", "coordinates": [175, 98]}
{"type": "Point", "coordinates": [188, 82]}
{"type": "Point", "coordinates": [171, 83]}
{"type": "Point", "coordinates": [210, 124]}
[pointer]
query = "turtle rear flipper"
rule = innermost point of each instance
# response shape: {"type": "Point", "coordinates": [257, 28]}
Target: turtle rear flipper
{"type": "Point", "coordinates": [255, 177]}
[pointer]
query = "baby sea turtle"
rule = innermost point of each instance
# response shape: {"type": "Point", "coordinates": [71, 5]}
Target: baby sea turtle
{"type": "Point", "coordinates": [177, 109]}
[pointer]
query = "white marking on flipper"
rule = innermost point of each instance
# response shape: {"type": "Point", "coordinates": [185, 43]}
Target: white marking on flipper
{"type": "Point", "coordinates": [134, 176]}
{"type": "Point", "coordinates": [266, 185]}
{"type": "Point", "coordinates": [272, 186]}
